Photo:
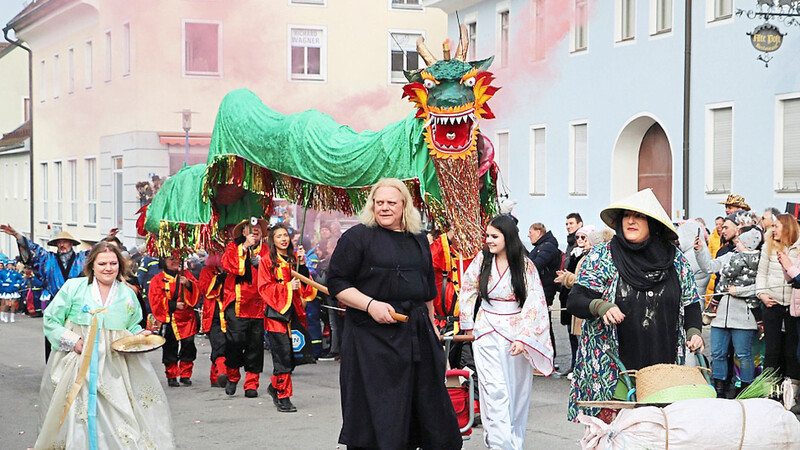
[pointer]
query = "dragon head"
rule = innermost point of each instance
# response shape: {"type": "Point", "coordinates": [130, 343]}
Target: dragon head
{"type": "Point", "coordinates": [451, 95]}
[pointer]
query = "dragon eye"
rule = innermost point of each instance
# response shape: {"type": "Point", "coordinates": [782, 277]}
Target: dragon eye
{"type": "Point", "coordinates": [469, 82]}
{"type": "Point", "coordinates": [429, 84]}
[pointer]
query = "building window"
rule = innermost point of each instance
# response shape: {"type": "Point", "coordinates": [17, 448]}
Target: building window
{"type": "Point", "coordinates": [15, 178]}
{"type": "Point", "coordinates": [26, 109]}
{"type": "Point", "coordinates": [790, 175]}
{"type": "Point", "coordinates": [403, 56]}
{"type": "Point", "coordinates": [723, 9]}
{"type": "Point", "coordinates": [126, 49]}
{"type": "Point", "coordinates": [538, 165]}
{"type": "Point", "coordinates": [307, 53]}
{"type": "Point", "coordinates": [503, 29]}
{"type": "Point", "coordinates": [580, 23]}
{"type": "Point", "coordinates": [626, 19]}
{"type": "Point", "coordinates": [56, 84]}
{"type": "Point", "coordinates": [108, 56]}
{"type": "Point", "coordinates": [45, 190]}
{"type": "Point", "coordinates": [539, 29]}
{"type": "Point", "coordinates": [502, 157]}
{"type": "Point", "coordinates": [202, 49]}
{"type": "Point", "coordinates": [70, 70]}
{"type": "Point", "coordinates": [721, 155]}
{"type": "Point", "coordinates": [72, 167]}
{"type": "Point", "coordinates": [406, 4]}
{"type": "Point", "coordinates": [662, 10]}
{"type": "Point", "coordinates": [472, 30]}
{"type": "Point", "coordinates": [88, 65]}
{"type": "Point", "coordinates": [91, 191]}
{"type": "Point", "coordinates": [26, 177]}
{"type": "Point", "coordinates": [579, 159]}
{"type": "Point", "coordinates": [42, 80]}
{"type": "Point", "coordinates": [116, 173]}
{"type": "Point", "coordinates": [7, 181]}
{"type": "Point", "coordinates": [59, 191]}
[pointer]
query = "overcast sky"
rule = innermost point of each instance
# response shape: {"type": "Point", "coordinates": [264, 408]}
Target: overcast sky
{"type": "Point", "coordinates": [9, 9]}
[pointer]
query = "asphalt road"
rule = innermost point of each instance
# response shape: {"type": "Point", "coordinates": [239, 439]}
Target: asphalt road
{"type": "Point", "coordinates": [205, 418]}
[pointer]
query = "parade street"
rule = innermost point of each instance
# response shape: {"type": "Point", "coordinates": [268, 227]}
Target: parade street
{"type": "Point", "coordinates": [205, 418]}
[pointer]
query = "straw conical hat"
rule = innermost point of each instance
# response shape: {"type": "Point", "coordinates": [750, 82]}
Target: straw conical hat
{"type": "Point", "coordinates": [644, 202]}
{"type": "Point", "coordinates": [63, 236]}
{"type": "Point", "coordinates": [263, 224]}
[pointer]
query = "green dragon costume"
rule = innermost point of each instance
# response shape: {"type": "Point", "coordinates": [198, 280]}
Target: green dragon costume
{"type": "Point", "coordinates": [257, 153]}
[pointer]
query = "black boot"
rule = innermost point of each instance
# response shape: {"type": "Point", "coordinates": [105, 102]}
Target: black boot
{"type": "Point", "coordinates": [721, 388]}
{"type": "Point", "coordinates": [173, 382]}
{"type": "Point", "coordinates": [285, 405]}
{"type": "Point", "coordinates": [230, 388]}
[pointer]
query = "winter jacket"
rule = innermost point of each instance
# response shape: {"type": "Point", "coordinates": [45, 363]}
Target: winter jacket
{"type": "Point", "coordinates": [686, 235]}
{"type": "Point", "coordinates": [547, 259]}
{"type": "Point", "coordinates": [733, 310]}
{"type": "Point", "coordinates": [771, 278]}
{"type": "Point", "coordinates": [794, 275]}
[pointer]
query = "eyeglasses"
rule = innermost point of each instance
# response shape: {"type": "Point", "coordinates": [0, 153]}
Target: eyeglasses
{"type": "Point", "coordinates": [580, 238]}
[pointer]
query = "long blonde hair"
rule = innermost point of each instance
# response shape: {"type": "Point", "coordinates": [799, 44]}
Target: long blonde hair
{"type": "Point", "coordinates": [791, 231]}
{"type": "Point", "coordinates": [412, 220]}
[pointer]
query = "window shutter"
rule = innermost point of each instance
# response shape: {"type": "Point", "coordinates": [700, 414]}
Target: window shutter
{"type": "Point", "coordinates": [580, 169]}
{"type": "Point", "coordinates": [538, 164]}
{"type": "Point", "coordinates": [791, 144]}
{"type": "Point", "coordinates": [723, 149]}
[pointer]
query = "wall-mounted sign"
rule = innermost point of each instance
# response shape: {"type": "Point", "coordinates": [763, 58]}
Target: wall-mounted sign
{"type": "Point", "coordinates": [766, 38]}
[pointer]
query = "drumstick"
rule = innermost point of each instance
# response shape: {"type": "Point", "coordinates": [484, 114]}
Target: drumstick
{"type": "Point", "coordinates": [396, 316]}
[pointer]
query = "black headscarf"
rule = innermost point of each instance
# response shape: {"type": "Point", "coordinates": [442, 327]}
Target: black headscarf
{"type": "Point", "coordinates": [645, 264]}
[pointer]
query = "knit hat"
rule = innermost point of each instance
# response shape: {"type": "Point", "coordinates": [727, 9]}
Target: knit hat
{"type": "Point", "coordinates": [585, 230]}
{"type": "Point", "coordinates": [750, 239]}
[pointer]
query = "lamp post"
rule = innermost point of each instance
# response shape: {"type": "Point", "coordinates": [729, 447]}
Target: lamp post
{"type": "Point", "coordinates": [186, 114]}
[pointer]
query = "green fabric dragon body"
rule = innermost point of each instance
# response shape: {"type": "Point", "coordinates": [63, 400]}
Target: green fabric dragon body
{"type": "Point", "coordinates": [257, 153]}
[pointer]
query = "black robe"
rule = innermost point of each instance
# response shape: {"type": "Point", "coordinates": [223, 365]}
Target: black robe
{"type": "Point", "coordinates": [392, 376]}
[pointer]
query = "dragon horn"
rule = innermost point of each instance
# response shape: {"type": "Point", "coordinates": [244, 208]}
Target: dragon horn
{"type": "Point", "coordinates": [463, 43]}
{"type": "Point", "coordinates": [423, 51]}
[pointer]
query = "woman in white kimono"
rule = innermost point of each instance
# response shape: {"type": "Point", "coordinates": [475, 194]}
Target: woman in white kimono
{"type": "Point", "coordinates": [93, 397]}
{"type": "Point", "coordinates": [503, 307]}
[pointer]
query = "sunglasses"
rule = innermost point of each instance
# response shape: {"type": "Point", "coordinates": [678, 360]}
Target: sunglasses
{"type": "Point", "coordinates": [580, 238]}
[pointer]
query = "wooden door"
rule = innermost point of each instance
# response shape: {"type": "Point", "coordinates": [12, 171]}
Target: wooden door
{"type": "Point", "coordinates": [655, 166]}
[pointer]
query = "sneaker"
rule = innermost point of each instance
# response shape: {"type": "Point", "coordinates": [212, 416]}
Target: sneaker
{"type": "Point", "coordinates": [230, 387]}
{"type": "Point", "coordinates": [274, 394]}
{"type": "Point", "coordinates": [285, 406]}
{"type": "Point", "coordinates": [186, 381]}
{"type": "Point", "coordinates": [222, 380]}
{"type": "Point", "coordinates": [250, 393]}
{"type": "Point", "coordinates": [173, 382]}
{"type": "Point", "coordinates": [328, 356]}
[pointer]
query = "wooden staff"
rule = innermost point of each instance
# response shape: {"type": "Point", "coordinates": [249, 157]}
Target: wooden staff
{"type": "Point", "coordinates": [396, 316]}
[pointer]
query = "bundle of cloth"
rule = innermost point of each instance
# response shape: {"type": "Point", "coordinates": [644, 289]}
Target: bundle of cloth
{"type": "Point", "coordinates": [711, 424]}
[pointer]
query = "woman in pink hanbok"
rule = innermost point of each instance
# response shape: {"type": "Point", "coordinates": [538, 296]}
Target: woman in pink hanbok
{"type": "Point", "coordinates": [503, 307]}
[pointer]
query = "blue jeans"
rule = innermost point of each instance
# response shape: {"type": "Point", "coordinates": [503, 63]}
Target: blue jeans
{"type": "Point", "coordinates": [742, 346]}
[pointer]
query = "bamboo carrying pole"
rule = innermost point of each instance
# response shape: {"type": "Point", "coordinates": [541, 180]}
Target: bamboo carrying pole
{"type": "Point", "coordinates": [396, 316]}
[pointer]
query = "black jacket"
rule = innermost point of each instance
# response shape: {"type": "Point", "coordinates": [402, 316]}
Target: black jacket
{"type": "Point", "coordinates": [547, 259]}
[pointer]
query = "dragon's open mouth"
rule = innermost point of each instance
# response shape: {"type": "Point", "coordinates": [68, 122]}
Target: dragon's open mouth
{"type": "Point", "coordinates": [452, 133]}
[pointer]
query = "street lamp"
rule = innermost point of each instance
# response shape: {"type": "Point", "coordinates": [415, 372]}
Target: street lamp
{"type": "Point", "coordinates": [186, 114]}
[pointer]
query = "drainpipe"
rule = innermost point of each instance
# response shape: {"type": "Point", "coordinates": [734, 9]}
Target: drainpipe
{"type": "Point", "coordinates": [17, 43]}
{"type": "Point", "coordinates": [687, 78]}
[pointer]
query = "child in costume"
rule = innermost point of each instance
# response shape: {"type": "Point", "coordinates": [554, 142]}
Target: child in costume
{"type": "Point", "coordinates": [11, 282]}
{"type": "Point", "coordinates": [173, 295]}
{"type": "Point", "coordinates": [212, 282]}
{"type": "Point", "coordinates": [285, 298]}
{"type": "Point", "coordinates": [740, 273]}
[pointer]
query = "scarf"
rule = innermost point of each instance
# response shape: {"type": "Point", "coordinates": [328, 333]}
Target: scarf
{"type": "Point", "coordinates": [643, 265]}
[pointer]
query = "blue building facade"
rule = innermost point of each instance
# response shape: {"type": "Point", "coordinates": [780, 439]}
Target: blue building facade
{"type": "Point", "coordinates": [592, 105]}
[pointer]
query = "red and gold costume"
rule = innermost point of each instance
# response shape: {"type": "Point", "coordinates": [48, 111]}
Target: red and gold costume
{"type": "Point", "coordinates": [274, 285]}
{"type": "Point", "coordinates": [212, 280]}
{"type": "Point", "coordinates": [179, 325]}
{"type": "Point", "coordinates": [244, 312]}
{"type": "Point", "coordinates": [446, 264]}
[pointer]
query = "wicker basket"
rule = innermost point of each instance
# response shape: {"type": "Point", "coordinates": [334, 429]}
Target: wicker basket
{"type": "Point", "coordinates": [659, 377]}
{"type": "Point", "coordinates": [138, 343]}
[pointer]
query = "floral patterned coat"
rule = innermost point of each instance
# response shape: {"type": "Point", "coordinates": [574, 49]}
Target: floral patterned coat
{"type": "Point", "coordinates": [595, 372]}
{"type": "Point", "coordinates": [528, 324]}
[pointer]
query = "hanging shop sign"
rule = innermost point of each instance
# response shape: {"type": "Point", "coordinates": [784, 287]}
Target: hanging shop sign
{"type": "Point", "coordinates": [766, 38]}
